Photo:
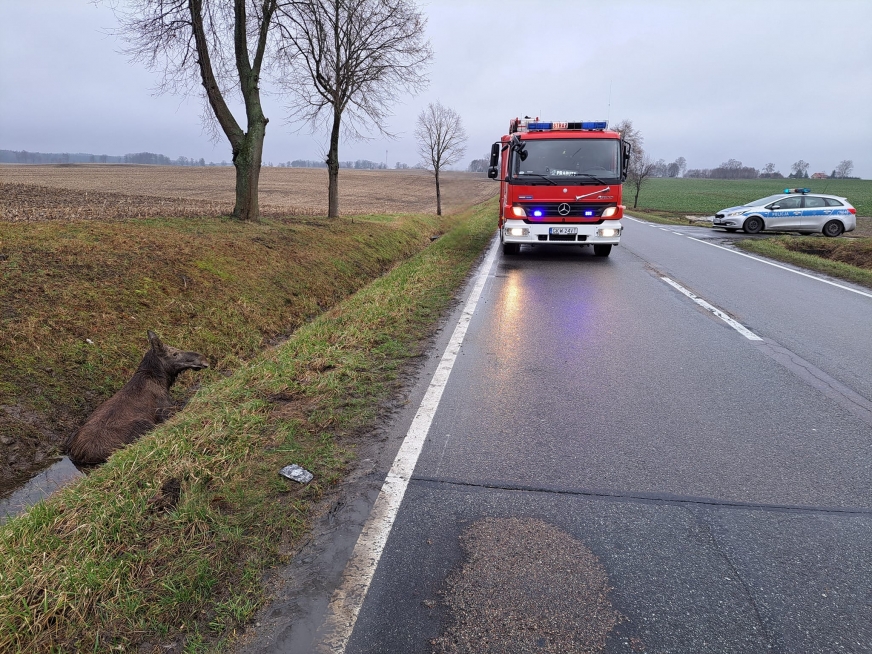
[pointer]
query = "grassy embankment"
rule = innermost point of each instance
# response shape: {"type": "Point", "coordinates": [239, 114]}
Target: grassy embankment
{"type": "Point", "coordinates": [76, 299]}
{"type": "Point", "coordinates": [670, 201]}
{"type": "Point", "coordinates": [165, 543]}
{"type": "Point", "coordinates": [846, 258]}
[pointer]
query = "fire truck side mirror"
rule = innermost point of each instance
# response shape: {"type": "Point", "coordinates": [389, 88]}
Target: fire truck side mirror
{"type": "Point", "coordinates": [493, 170]}
{"type": "Point", "coordinates": [626, 150]}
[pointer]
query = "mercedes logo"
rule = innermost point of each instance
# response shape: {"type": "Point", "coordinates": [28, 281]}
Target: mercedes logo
{"type": "Point", "coordinates": [564, 209]}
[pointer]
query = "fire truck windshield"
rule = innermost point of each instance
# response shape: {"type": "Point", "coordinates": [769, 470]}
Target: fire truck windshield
{"type": "Point", "coordinates": [586, 161]}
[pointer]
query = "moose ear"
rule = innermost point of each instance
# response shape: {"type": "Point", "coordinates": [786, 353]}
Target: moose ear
{"type": "Point", "coordinates": [155, 342]}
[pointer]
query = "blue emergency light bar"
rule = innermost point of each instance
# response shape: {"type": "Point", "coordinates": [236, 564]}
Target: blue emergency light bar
{"type": "Point", "coordinates": [527, 125]}
{"type": "Point", "coordinates": [797, 190]}
{"type": "Point", "coordinates": [598, 124]}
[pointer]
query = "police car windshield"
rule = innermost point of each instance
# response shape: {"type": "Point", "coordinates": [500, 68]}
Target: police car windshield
{"type": "Point", "coordinates": [766, 200]}
{"type": "Point", "coordinates": [588, 161]}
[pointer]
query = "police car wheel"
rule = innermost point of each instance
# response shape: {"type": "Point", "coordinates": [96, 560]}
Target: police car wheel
{"type": "Point", "coordinates": [833, 228]}
{"type": "Point", "coordinates": [753, 225]}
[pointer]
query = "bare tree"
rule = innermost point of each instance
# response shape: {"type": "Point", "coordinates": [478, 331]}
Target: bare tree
{"type": "Point", "coordinates": [207, 42]}
{"type": "Point", "coordinates": [641, 167]}
{"type": "Point", "coordinates": [845, 168]}
{"type": "Point", "coordinates": [769, 168]}
{"type": "Point", "coordinates": [350, 58]}
{"type": "Point", "coordinates": [441, 141]}
{"type": "Point", "coordinates": [682, 164]}
{"type": "Point", "coordinates": [632, 136]}
{"type": "Point", "coordinates": [639, 173]}
{"type": "Point", "coordinates": [800, 168]}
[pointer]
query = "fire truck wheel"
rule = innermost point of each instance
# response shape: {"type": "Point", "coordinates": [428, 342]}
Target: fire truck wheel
{"type": "Point", "coordinates": [511, 248]}
{"type": "Point", "coordinates": [602, 250]}
{"type": "Point", "coordinates": [753, 225]}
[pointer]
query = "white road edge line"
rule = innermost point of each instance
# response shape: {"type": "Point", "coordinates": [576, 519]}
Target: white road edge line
{"type": "Point", "coordinates": [348, 598]}
{"type": "Point", "coordinates": [770, 263]}
{"type": "Point", "coordinates": [739, 327]}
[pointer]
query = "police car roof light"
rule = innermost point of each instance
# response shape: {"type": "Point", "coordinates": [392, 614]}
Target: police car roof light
{"type": "Point", "coordinates": [797, 190]}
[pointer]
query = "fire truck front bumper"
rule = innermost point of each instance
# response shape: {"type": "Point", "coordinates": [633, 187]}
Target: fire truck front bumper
{"type": "Point", "coordinates": [607, 232]}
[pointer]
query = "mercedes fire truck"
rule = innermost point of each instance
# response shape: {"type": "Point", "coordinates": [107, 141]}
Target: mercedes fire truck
{"type": "Point", "coordinates": [560, 183]}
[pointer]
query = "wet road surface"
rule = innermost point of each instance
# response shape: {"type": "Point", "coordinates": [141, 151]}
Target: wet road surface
{"type": "Point", "coordinates": [613, 467]}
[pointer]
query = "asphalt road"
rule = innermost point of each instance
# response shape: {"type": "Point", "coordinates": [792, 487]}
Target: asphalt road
{"type": "Point", "coordinates": [613, 467]}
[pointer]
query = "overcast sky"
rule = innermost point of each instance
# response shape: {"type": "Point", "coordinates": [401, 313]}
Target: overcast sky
{"type": "Point", "coordinates": [755, 80]}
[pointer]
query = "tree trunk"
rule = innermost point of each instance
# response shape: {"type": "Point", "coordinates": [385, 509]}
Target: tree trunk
{"type": "Point", "coordinates": [438, 196]}
{"type": "Point", "coordinates": [247, 146]}
{"type": "Point", "coordinates": [247, 160]}
{"type": "Point", "coordinates": [333, 170]}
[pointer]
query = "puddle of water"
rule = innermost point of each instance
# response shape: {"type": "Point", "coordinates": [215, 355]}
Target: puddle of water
{"type": "Point", "coordinates": [56, 476]}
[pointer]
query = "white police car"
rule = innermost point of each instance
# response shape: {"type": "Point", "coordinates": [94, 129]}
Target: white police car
{"type": "Point", "coordinates": [795, 210]}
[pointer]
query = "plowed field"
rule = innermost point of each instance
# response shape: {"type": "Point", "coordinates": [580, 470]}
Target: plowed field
{"type": "Point", "coordinates": [59, 192]}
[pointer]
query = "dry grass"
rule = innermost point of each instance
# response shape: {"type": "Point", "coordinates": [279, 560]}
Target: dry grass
{"type": "Point", "coordinates": [77, 296]}
{"type": "Point", "coordinates": [863, 229]}
{"type": "Point", "coordinates": [124, 191]}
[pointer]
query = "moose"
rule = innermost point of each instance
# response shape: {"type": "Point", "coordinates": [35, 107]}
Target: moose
{"type": "Point", "coordinates": [141, 404]}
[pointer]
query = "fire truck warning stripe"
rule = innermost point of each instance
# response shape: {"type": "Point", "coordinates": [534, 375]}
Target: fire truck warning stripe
{"type": "Point", "coordinates": [739, 327]}
{"type": "Point", "coordinates": [348, 598]}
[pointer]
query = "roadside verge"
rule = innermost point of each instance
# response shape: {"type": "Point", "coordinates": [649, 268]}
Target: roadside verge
{"type": "Point", "coordinates": [164, 545]}
{"type": "Point", "coordinates": [845, 258]}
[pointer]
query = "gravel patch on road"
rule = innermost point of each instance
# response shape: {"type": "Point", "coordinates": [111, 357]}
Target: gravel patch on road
{"type": "Point", "coordinates": [525, 586]}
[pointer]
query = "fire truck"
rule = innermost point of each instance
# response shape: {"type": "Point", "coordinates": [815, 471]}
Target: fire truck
{"type": "Point", "coordinates": [560, 183]}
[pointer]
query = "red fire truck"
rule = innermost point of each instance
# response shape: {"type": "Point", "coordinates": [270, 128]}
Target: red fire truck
{"type": "Point", "coordinates": [560, 183]}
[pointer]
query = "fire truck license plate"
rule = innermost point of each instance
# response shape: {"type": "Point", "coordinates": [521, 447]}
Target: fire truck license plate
{"type": "Point", "coordinates": [563, 230]}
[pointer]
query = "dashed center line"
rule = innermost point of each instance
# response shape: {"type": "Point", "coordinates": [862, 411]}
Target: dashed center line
{"type": "Point", "coordinates": [739, 327]}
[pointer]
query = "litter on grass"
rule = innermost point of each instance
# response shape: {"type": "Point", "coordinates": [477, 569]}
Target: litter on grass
{"type": "Point", "coordinates": [296, 473]}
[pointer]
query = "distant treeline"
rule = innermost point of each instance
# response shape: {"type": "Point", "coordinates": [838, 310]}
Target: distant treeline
{"type": "Point", "coordinates": [360, 164]}
{"type": "Point", "coordinates": [25, 157]}
{"type": "Point", "coordinates": [733, 169]}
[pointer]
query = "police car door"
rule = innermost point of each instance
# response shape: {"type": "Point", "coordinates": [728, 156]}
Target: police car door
{"type": "Point", "coordinates": [814, 212]}
{"type": "Point", "coordinates": [786, 213]}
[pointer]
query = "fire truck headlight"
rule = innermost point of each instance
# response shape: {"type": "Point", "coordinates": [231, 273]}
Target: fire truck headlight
{"type": "Point", "coordinates": [517, 231]}
{"type": "Point", "coordinates": [519, 212]}
{"type": "Point", "coordinates": [610, 211]}
{"type": "Point", "coordinates": [608, 232]}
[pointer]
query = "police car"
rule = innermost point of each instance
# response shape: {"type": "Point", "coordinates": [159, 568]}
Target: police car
{"type": "Point", "coordinates": [795, 210]}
